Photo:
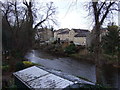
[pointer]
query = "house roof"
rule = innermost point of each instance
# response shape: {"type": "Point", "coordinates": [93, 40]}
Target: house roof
{"type": "Point", "coordinates": [60, 30]}
{"type": "Point", "coordinates": [80, 30]}
{"type": "Point", "coordinates": [81, 35]}
{"type": "Point", "coordinates": [64, 32]}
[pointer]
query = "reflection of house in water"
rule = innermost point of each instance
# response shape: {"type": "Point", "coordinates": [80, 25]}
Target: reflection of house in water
{"type": "Point", "coordinates": [78, 36]}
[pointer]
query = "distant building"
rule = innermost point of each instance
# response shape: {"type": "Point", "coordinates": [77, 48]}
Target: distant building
{"type": "Point", "coordinates": [62, 34]}
{"type": "Point", "coordinates": [91, 36]}
{"type": "Point", "coordinates": [78, 36]}
{"type": "Point", "coordinates": [44, 34]}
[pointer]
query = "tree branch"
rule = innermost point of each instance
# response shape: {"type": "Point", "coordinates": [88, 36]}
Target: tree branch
{"type": "Point", "coordinates": [106, 13]}
{"type": "Point", "coordinates": [101, 7]}
{"type": "Point", "coordinates": [49, 13]}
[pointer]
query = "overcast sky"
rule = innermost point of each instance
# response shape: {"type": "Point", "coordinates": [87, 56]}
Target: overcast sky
{"type": "Point", "coordinates": [72, 14]}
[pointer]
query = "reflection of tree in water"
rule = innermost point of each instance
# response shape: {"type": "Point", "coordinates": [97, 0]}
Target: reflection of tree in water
{"type": "Point", "coordinates": [33, 53]}
{"type": "Point", "coordinates": [110, 76]}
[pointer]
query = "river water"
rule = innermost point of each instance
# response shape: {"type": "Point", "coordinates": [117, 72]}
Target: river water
{"type": "Point", "coordinates": [110, 76]}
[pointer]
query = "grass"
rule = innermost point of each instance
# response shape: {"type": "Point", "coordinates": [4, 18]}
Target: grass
{"type": "Point", "coordinates": [110, 57]}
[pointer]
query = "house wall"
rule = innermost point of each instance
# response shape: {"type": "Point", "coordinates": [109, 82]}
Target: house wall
{"type": "Point", "coordinates": [46, 35]}
{"type": "Point", "coordinates": [55, 35]}
{"type": "Point", "coordinates": [80, 40]}
{"type": "Point", "coordinates": [71, 35]}
{"type": "Point", "coordinates": [63, 36]}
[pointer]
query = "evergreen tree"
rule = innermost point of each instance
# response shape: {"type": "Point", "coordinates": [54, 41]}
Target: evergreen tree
{"type": "Point", "coordinates": [111, 42]}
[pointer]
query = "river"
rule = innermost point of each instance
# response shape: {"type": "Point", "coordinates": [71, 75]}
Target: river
{"type": "Point", "coordinates": [110, 76]}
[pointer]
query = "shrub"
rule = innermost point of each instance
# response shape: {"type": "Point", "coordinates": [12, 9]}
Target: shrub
{"type": "Point", "coordinates": [18, 53]}
{"type": "Point", "coordinates": [70, 49]}
{"type": "Point", "coordinates": [28, 63]}
{"type": "Point", "coordinates": [23, 65]}
{"type": "Point", "coordinates": [13, 87]}
{"type": "Point", "coordinates": [55, 42]}
{"type": "Point", "coordinates": [19, 66]}
{"type": "Point", "coordinates": [5, 68]}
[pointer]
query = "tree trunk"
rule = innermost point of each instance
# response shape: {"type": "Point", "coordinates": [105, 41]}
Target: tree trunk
{"type": "Point", "coordinates": [97, 53]}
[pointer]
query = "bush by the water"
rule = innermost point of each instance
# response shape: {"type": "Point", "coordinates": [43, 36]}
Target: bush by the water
{"type": "Point", "coordinates": [23, 65]}
{"type": "Point", "coordinates": [27, 63]}
{"type": "Point", "coordinates": [5, 68]}
{"type": "Point", "coordinates": [70, 49]}
{"type": "Point", "coordinates": [19, 66]}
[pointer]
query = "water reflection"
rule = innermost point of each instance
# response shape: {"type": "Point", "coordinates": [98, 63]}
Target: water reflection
{"type": "Point", "coordinates": [110, 75]}
{"type": "Point", "coordinates": [66, 65]}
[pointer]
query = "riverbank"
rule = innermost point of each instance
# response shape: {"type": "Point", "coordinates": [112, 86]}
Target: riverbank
{"type": "Point", "coordinates": [109, 75]}
{"type": "Point", "coordinates": [72, 56]}
{"type": "Point", "coordinates": [86, 57]}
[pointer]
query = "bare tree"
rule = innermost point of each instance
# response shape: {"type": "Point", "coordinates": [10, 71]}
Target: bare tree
{"type": "Point", "coordinates": [6, 9]}
{"type": "Point", "coordinates": [100, 11]}
{"type": "Point", "coordinates": [23, 19]}
{"type": "Point", "coordinates": [42, 18]}
{"type": "Point", "coordinates": [50, 12]}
